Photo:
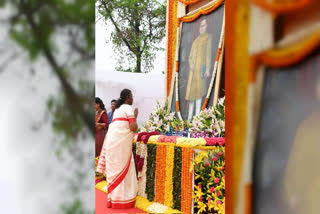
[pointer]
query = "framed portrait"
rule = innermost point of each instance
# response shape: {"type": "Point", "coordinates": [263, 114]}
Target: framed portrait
{"type": "Point", "coordinates": [198, 48]}
{"type": "Point", "coordinates": [288, 139]}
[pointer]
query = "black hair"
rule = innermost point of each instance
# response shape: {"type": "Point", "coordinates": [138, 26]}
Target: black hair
{"type": "Point", "coordinates": [99, 101]}
{"type": "Point", "coordinates": [125, 93]}
{"type": "Point", "coordinates": [113, 101]}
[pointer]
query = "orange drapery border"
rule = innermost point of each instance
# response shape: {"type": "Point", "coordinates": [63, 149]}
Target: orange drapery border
{"type": "Point", "coordinates": [201, 12]}
{"type": "Point", "coordinates": [283, 57]}
{"type": "Point", "coordinates": [187, 2]}
{"type": "Point", "coordinates": [282, 8]}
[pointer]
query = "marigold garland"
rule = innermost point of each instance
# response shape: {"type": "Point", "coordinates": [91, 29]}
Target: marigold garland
{"type": "Point", "coordinates": [151, 167]}
{"type": "Point", "coordinates": [176, 180]}
{"type": "Point", "coordinates": [153, 138]}
{"type": "Point", "coordinates": [191, 142]}
{"type": "Point", "coordinates": [172, 40]}
{"type": "Point", "coordinates": [186, 180]}
{"type": "Point", "coordinates": [168, 199]}
{"type": "Point", "coordinates": [160, 173]}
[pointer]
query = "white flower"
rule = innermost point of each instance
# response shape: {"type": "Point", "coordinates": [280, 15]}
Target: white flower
{"type": "Point", "coordinates": [171, 116]}
{"type": "Point", "coordinates": [167, 127]}
{"type": "Point", "coordinates": [152, 128]}
{"type": "Point", "coordinates": [157, 208]}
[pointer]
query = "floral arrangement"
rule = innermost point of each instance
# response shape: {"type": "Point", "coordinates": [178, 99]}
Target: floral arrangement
{"type": "Point", "coordinates": [210, 122]}
{"type": "Point", "coordinates": [153, 207]}
{"type": "Point", "coordinates": [160, 173]}
{"type": "Point", "coordinates": [99, 176]}
{"type": "Point", "coordinates": [209, 193]}
{"type": "Point", "coordinates": [176, 178]}
{"type": "Point", "coordinates": [151, 171]}
{"type": "Point", "coordinates": [163, 121]}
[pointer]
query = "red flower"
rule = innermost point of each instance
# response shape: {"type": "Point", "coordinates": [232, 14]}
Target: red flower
{"type": "Point", "coordinates": [199, 186]}
{"type": "Point", "coordinates": [219, 153]}
{"type": "Point", "coordinates": [223, 177]}
{"type": "Point", "coordinates": [214, 158]}
{"type": "Point", "coordinates": [221, 168]}
{"type": "Point", "coordinates": [207, 164]}
{"type": "Point", "coordinates": [218, 193]}
{"type": "Point", "coordinates": [219, 202]}
{"type": "Point", "coordinates": [200, 198]}
{"type": "Point", "coordinates": [216, 180]}
{"type": "Point", "coordinates": [211, 189]}
{"type": "Point", "coordinates": [209, 199]}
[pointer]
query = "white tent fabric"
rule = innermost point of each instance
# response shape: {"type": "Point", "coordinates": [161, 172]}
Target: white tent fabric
{"type": "Point", "coordinates": [146, 89]}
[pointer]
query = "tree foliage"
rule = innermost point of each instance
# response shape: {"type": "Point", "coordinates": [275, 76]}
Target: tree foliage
{"type": "Point", "coordinates": [61, 33]}
{"type": "Point", "coordinates": [138, 28]}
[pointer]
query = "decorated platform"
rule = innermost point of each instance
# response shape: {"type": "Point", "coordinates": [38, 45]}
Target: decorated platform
{"type": "Point", "coordinates": [177, 173]}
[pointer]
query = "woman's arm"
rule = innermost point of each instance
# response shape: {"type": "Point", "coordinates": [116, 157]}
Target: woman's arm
{"type": "Point", "coordinates": [133, 123]}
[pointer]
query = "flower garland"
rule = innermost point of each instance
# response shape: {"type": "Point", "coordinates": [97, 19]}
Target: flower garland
{"type": "Point", "coordinates": [151, 166]}
{"type": "Point", "coordinates": [154, 138]}
{"type": "Point", "coordinates": [186, 180]}
{"type": "Point", "coordinates": [160, 173]}
{"type": "Point", "coordinates": [168, 197]}
{"type": "Point", "coordinates": [102, 186]}
{"type": "Point", "coordinates": [99, 176]}
{"type": "Point", "coordinates": [171, 42]}
{"type": "Point", "coordinates": [143, 152]}
{"type": "Point", "coordinates": [190, 142]}
{"type": "Point", "coordinates": [167, 139]}
{"type": "Point", "coordinates": [154, 207]}
{"type": "Point", "coordinates": [139, 158]}
{"type": "Point", "coordinates": [176, 179]}
{"type": "Point", "coordinates": [157, 208]}
{"type": "Point", "coordinates": [215, 141]}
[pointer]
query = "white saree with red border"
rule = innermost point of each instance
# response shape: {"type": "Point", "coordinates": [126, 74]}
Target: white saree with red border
{"type": "Point", "coordinates": [116, 160]}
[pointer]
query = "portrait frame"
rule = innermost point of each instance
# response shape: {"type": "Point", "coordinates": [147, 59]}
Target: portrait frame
{"type": "Point", "coordinates": [215, 74]}
{"type": "Point", "coordinates": [246, 73]}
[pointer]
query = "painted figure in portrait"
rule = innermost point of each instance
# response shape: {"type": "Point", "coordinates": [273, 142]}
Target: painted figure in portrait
{"type": "Point", "coordinates": [198, 47]}
{"type": "Point", "coordinates": [199, 65]}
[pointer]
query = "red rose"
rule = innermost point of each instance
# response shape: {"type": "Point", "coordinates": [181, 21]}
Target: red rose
{"type": "Point", "coordinates": [218, 193]}
{"type": "Point", "coordinates": [207, 164]}
{"type": "Point", "coordinates": [214, 158]}
{"type": "Point", "coordinates": [219, 202]}
{"type": "Point", "coordinates": [219, 153]}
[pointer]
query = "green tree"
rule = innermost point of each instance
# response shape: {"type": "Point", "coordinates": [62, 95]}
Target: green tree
{"type": "Point", "coordinates": [138, 28]}
{"type": "Point", "coordinates": [59, 34]}
{"type": "Point", "coordinates": [62, 34]}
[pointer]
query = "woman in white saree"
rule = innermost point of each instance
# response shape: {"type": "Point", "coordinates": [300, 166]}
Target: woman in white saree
{"type": "Point", "coordinates": [116, 158]}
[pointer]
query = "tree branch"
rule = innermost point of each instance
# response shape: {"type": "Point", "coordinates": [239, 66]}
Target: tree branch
{"type": "Point", "coordinates": [118, 29]}
{"type": "Point", "coordinates": [73, 99]}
